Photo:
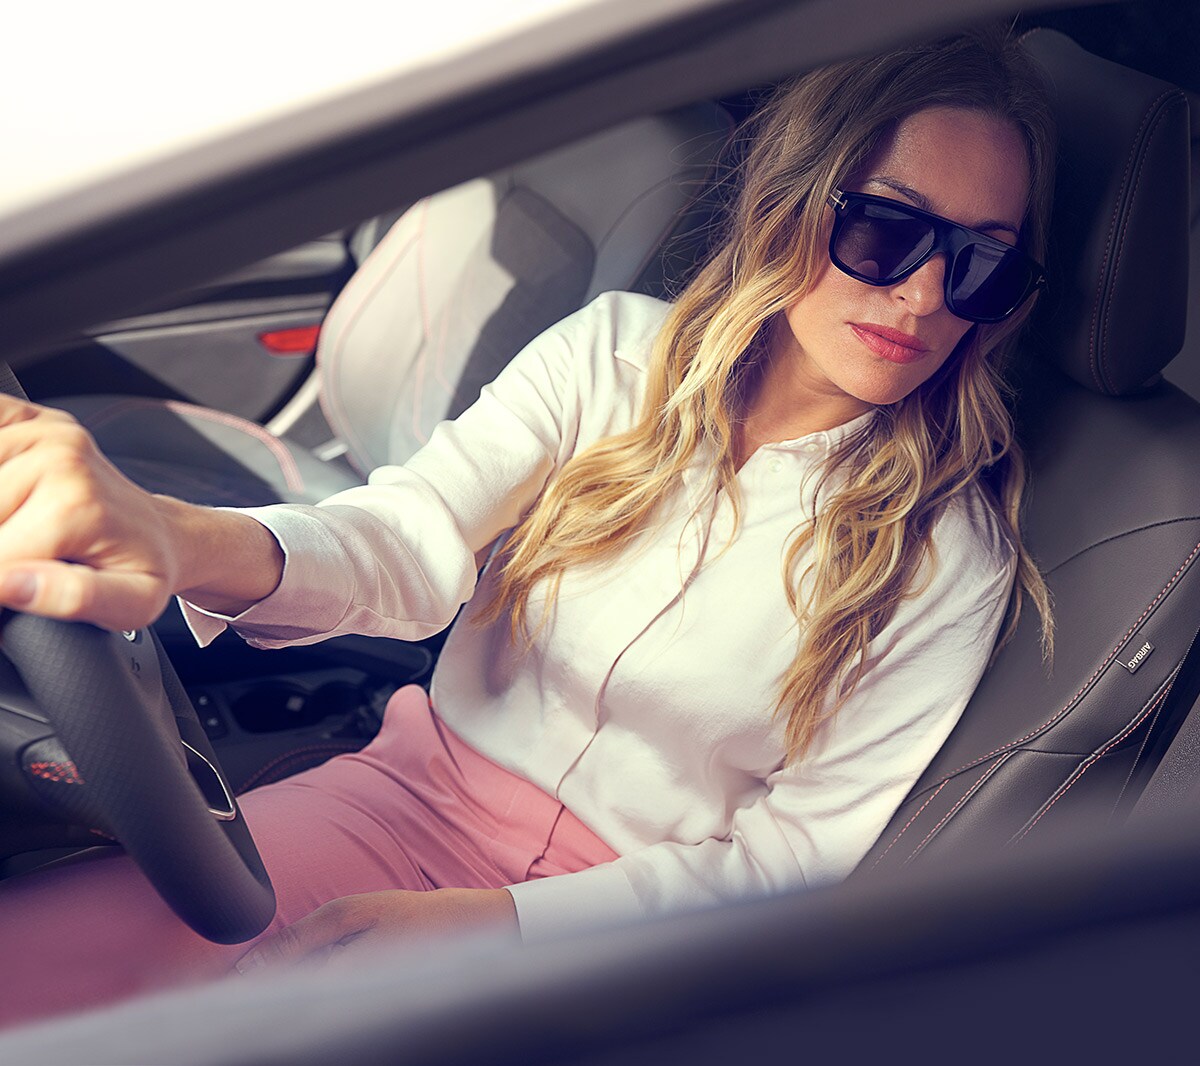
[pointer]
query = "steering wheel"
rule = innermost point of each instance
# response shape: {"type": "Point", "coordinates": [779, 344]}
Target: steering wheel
{"type": "Point", "coordinates": [117, 747]}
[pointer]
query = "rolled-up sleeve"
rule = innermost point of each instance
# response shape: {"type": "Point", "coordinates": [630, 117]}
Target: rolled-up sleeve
{"type": "Point", "coordinates": [397, 556]}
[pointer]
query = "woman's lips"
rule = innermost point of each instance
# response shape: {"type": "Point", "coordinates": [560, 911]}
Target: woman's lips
{"type": "Point", "coordinates": [889, 343]}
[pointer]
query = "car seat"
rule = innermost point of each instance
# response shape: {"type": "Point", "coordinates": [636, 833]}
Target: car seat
{"type": "Point", "coordinates": [456, 287]}
{"type": "Point", "coordinates": [1113, 512]}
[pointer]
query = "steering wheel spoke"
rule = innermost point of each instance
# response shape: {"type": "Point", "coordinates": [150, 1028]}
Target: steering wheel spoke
{"type": "Point", "coordinates": [124, 753]}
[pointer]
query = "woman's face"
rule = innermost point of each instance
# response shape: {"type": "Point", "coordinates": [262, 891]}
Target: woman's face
{"type": "Point", "coordinates": [852, 345]}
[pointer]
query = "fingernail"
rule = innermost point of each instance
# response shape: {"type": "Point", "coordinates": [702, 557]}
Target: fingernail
{"type": "Point", "coordinates": [250, 961]}
{"type": "Point", "coordinates": [18, 587]}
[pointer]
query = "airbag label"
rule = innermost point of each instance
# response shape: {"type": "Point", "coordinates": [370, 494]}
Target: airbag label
{"type": "Point", "coordinates": [1132, 661]}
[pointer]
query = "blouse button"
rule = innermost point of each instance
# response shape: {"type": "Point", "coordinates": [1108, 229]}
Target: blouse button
{"type": "Point", "coordinates": [810, 446]}
{"type": "Point", "coordinates": [775, 466]}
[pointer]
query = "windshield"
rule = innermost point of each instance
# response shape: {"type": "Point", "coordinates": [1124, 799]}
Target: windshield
{"type": "Point", "coordinates": [128, 83]}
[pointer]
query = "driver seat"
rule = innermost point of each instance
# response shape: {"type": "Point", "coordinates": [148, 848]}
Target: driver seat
{"type": "Point", "coordinates": [1113, 508]}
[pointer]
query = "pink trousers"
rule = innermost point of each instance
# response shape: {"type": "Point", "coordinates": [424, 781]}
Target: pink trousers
{"type": "Point", "coordinates": [416, 809]}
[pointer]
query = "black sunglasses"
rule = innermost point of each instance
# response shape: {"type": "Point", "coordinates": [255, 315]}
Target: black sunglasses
{"type": "Point", "coordinates": [881, 242]}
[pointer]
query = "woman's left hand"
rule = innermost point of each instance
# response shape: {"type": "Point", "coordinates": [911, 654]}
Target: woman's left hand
{"type": "Point", "coordinates": [376, 918]}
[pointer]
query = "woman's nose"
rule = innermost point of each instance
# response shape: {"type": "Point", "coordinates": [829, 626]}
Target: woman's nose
{"type": "Point", "coordinates": [924, 290]}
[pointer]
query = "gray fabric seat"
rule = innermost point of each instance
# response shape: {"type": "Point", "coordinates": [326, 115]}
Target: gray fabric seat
{"type": "Point", "coordinates": [202, 455]}
{"type": "Point", "coordinates": [1114, 502]}
{"type": "Point", "coordinates": [453, 290]}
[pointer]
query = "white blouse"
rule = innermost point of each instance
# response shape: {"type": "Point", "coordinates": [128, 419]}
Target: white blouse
{"type": "Point", "coordinates": [645, 702]}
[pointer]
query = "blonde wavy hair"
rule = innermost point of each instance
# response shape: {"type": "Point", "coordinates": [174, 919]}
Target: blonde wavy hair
{"type": "Point", "coordinates": [868, 538]}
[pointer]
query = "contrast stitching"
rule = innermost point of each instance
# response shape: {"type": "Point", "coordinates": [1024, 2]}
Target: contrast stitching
{"type": "Point", "coordinates": [665, 230]}
{"type": "Point", "coordinates": [1091, 761]}
{"type": "Point", "coordinates": [426, 330]}
{"type": "Point", "coordinates": [329, 397]}
{"type": "Point", "coordinates": [961, 801]}
{"type": "Point", "coordinates": [285, 459]}
{"type": "Point", "coordinates": [1099, 670]}
{"type": "Point", "coordinates": [439, 363]}
{"type": "Point", "coordinates": [644, 195]}
{"type": "Point", "coordinates": [1170, 683]}
{"type": "Point", "coordinates": [60, 773]}
{"type": "Point", "coordinates": [452, 309]}
{"type": "Point", "coordinates": [658, 248]}
{"type": "Point", "coordinates": [702, 185]}
{"type": "Point", "coordinates": [1007, 749]}
{"type": "Point", "coordinates": [931, 798]}
{"type": "Point", "coordinates": [421, 279]}
{"type": "Point", "coordinates": [1120, 243]}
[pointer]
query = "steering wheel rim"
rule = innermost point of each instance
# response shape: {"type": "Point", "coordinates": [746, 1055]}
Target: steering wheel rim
{"type": "Point", "coordinates": [125, 747]}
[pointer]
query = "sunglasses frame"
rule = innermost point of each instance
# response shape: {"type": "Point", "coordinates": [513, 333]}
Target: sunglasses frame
{"type": "Point", "coordinates": [948, 237]}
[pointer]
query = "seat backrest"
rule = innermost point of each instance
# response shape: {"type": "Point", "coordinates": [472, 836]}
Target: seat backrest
{"type": "Point", "coordinates": [1114, 501]}
{"type": "Point", "coordinates": [467, 277]}
{"type": "Point", "coordinates": [1184, 369]}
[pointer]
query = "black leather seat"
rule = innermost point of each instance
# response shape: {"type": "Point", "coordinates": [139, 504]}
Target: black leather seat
{"type": "Point", "coordinates": [1114, 503]}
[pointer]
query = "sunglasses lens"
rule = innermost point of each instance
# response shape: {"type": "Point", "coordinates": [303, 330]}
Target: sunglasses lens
{"type": "Point", "coordinates": [881, 245]}
{"type": "Point", "coordinates": [987, 283]}
{"type": "Point", "coordinates": [878, 243]}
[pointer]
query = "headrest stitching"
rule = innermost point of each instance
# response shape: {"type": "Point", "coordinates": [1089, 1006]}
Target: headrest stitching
{"type": "Point", "coordinates": [1110, 246]}
{"type": "Point", "coordinates": [1160, 110]}
{"type": "Point", "coordinates": [331, 398]}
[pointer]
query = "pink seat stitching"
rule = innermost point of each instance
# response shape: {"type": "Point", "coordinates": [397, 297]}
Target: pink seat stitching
{"type": "Point", "coordinates": [1008, 747]}
{"type": "Point", "coordinates": [329, 396]}
{"type": "Point", "coordinates": [426, 330]}
{"type": "Point", "coordinates": [285, 459]}
{"type": "Point", "coordinates": [959, 804]}
{"type": "Point", "coordinates": [1091, 760]}
{"type": "Point", "coordinates": [1099, 670]}
{"type": "Point", "coordinates": [920, 810]}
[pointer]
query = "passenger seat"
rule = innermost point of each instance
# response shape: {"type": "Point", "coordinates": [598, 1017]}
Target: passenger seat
{"type": "Point", "coordinates": [457, 286]}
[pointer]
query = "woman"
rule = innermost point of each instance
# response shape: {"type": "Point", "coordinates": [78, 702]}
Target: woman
{"type": "Point", "coordinates": [749, 555]}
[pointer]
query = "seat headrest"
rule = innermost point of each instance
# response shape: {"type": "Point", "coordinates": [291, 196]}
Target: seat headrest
{"type": "Point", "coordinates": [1116, 308]}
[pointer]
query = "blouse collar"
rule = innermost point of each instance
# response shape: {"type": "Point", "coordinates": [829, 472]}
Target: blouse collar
{"type": "Point", "coordinates": [825, 440]}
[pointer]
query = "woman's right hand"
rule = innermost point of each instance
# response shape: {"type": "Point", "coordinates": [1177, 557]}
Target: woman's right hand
{"type": "Point", "coordinates": [80, 541]}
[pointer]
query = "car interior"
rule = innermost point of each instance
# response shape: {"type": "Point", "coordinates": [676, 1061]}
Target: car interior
{"type": "Point", "coordinates": [453, 289]}
{"type": "Point", "coordinates": [452, 286]}
{"type": "Point", "coordinates": [292, 401]}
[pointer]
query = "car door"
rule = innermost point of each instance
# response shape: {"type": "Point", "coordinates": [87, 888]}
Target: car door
{"type": "Point", "coordinates": [241, 343]}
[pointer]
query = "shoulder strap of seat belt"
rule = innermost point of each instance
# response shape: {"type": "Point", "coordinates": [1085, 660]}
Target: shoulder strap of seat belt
{"type": "Point", "coordinates": [1171, 760]}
